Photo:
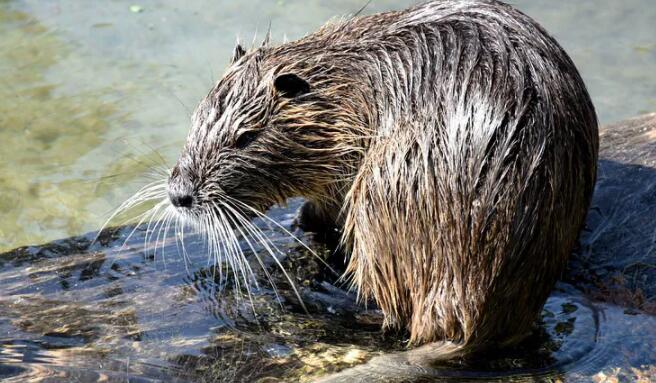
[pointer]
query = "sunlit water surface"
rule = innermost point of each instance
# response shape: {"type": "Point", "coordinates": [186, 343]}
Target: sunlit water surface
{"type": "Point", "coordinates": [93, 97]}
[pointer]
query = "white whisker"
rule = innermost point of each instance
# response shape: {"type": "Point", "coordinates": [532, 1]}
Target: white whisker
{"type": "Point", "coordinates": [168, 214]}
{"type": "Point", "coordinates": [218, 230]}
{"type": "Point", "coordinates": [235, 245]}
{"type": "Point", "coordinates": [156, 213]}
{"type": "Point", "coordinates": [264, 216]}
{"type": "Point", "coordinates": [254, 251]}
{"type": "Point", "coordinates": [179, 243]}
{"type": "Point", "coordinates": [265, 242]}
{"type": "Point", "coordinates": [240, 259]}
{"type": "Point", "coordinates": [221, 226]}
{"type": "Point", "coordinates": [153, 190]}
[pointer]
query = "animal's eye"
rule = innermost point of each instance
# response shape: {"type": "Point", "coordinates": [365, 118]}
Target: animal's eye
{"type": "Point", "coordinates": [246, 139]}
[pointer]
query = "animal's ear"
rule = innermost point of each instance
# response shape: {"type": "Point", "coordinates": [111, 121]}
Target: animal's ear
{"type": "Point", "coordinates": [238, 53]}
{"type": "Point", "coordinates": [290, 85]}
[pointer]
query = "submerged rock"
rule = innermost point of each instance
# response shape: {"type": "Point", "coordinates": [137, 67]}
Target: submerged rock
{"type": "Point", "coordinates": [616, 259]}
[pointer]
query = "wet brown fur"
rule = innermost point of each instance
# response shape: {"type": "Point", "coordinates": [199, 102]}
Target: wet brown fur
{"type": "Point", "coordinates": [454, 143]}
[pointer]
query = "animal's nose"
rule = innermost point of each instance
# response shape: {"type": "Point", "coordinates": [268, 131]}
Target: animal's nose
{"type": "Point", "coordinates": [181, 199]}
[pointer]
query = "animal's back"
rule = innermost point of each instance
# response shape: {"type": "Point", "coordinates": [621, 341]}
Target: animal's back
{"type": "Point", "coordinates": [456, 138]}
{"type": "Point", "coordinates": [475, 185]}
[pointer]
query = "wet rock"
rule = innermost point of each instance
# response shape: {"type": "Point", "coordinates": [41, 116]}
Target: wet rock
{"type": "Point", "coordinates": [616, 259]}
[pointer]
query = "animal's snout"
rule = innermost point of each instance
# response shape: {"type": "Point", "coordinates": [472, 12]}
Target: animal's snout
{"type": "Point", "coordinates": [180, 192]}
{"type": "Point", "coordinates": [181, 199]}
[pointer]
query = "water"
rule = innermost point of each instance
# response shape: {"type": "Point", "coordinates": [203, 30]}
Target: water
{"type": "Point", "coordinates": [95, 96]}
{"type": "Point", "coordinates": [88, 92]}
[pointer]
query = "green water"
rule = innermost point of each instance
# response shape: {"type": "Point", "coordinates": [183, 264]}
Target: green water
{"type": "Point", "coordinates": [92, 95]}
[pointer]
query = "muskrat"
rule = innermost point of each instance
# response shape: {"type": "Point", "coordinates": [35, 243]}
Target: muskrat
{"type": "Point", "coordinates": [453, 143]}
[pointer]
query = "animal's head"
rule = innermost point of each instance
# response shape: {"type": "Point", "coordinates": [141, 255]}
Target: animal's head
{"type": "Point", "coordinates": [269, 130]}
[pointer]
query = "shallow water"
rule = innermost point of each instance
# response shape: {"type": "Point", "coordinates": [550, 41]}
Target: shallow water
{"type": "Point", "coordinates": [93, 98]}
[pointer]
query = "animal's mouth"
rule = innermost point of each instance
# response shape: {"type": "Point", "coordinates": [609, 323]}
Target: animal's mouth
{"type": "Point", "coordinates": [231, 213]}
